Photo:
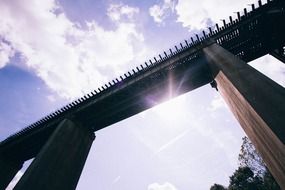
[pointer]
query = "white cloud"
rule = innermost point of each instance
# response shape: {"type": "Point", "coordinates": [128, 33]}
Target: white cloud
{"type": "Point", "coordinates": [15, 180]}
{"type": "Point", "coordinates": [117, 12]}
{"type": "Point", "coordinates": [217, 103]}
{"type": "Point", "coordinates": [165, 186]}
{"type": "Point", "coordinates": [156, 12]}
{"type": "Point", "coordinates": [70, 60]}
{"type": "Point", "coordinates": [271, 67]}
{"type": "Point", "coordinates": [6, 52]}
{"type": "Point", "coordinates": [160, 11]}
{"type": "Point", "coordinates": [51, 98]}
{"type": "Point", "coordinates": [196, 14]}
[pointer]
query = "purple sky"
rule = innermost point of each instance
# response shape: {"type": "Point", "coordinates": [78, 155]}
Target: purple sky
{"type": "Point", "coordinates": [52, 52]}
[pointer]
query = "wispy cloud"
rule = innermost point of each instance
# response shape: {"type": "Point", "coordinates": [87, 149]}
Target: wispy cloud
{"type": "Point", "coordinates": [159, 12]}
{"type": "Point", "coordinates": [117, 12]}
{"type": "Point", "coordinates": [171, 142]}
{"type": "Point", "coordinates": [165, 186]}
{"type": "Point", "coordinates": [217, 103]}
{"type": "Point", "coordinates": [116, 179]}
{"type": "Point", "coordinates": [6, 52]}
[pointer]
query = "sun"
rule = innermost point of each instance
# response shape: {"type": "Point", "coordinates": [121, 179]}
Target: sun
{"type": "Point", "coordinates": [171, 110]}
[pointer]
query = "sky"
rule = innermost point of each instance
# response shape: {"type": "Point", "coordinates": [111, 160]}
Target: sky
{"type": "Point", "coordinates": [54, 51]}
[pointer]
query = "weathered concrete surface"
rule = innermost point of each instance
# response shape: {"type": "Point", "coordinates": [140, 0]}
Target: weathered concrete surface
{"type": "Point", "coordinates": [257, 102]}
{"type": "Point", "coordinates": [60, 162]}
{"type": "Point", "coordinates": [8, 169]}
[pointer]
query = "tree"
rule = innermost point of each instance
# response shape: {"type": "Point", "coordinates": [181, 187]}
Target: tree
{"type": "Point", "coordinates": [252, 173]}
{"type": "Point", "coordinates": [217, 187]}
{"type": "Point", "coordinates": [244, 179]}
{"type": "Point", "coordinates": [249, 157]}
{"type": "Point", "coordinates": [269, 181]}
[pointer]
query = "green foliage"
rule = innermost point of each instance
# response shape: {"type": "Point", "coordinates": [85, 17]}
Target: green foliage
{"type": "Point", "coordinates": [244, 179]}
{"type": "Point", "coordinates": [269, 181]}
{"type": "Point", "coordinates": [217, 187]}
{"type": "Point", "coordinates": [252, 173]}
{"type": "Point", "coordinates": [249, 157]}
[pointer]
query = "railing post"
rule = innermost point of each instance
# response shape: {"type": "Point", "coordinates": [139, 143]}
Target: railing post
{"type": "Point", "coordinates": [60, 162]}
{"type": "Point", "coordinates": [257, 102]}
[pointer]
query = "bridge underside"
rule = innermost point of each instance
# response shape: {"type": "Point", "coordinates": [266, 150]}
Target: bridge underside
{"type": "Point", "coordinates": [126, 103]}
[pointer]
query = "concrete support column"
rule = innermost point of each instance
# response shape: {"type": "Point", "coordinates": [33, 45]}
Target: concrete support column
{"type": "Point", "coordinates": [60, 162]}
{"type": "Point", "coordinates": [257, 102]}
{"type": "Point", "coordinates": [8, 170]}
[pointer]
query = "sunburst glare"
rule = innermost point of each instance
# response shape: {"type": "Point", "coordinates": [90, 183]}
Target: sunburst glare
{"type": "Point", "coordinates": [172, 110]}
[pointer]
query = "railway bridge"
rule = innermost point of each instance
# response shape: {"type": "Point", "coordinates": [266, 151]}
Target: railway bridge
{"type": "Point", "coordinates": [218, 57]}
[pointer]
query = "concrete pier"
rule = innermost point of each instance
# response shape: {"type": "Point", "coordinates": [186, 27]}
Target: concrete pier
{"type": "Point", "coordinates": [257, 102]}
{"type": "Point", "coordinates": [60, 162]}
